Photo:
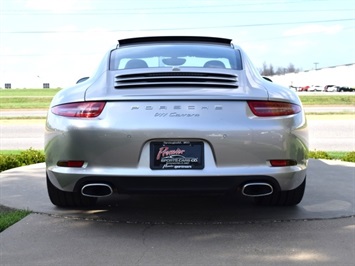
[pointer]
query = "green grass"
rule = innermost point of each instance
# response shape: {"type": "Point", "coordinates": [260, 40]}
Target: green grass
{"type": "Point", "coordinates": [13, 152]}
{"type": "Point", "coordinates": [10, 217]}
{"type": "Point", "coordinates": [337, 155]}
{"type": "Point", "coordinates": [25, 103]}
{"type": "Point", "coordinates": [26, 98]}
{"type": "Point", "coordinates": [21, 118]}
{"type": "Point", "coordinates": [328, 99]}
{"type": "Point", "coordinates": [8, 152]}
{"type": "Point", "coordinates": [28, 92]}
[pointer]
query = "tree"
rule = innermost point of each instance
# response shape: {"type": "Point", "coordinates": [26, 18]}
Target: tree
{"type": "Point", "coordinates": [269, 70]}
{"type": "Point", "coordinates": [291, 68]}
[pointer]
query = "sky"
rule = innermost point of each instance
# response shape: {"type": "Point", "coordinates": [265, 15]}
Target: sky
{"type": "Point", "coordinates": [60, 41]}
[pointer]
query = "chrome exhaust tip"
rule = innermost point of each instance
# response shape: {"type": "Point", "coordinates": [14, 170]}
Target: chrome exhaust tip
{"type": "Point", "coordinates": [96, 190]}
{"type": "Point", "coordinates": [257, 189]}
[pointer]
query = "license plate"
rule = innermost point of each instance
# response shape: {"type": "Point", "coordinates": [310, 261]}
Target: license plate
{"type": "Point", "coordinates": [168, 155]}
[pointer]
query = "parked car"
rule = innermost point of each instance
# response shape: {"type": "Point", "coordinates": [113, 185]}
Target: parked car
{"type": "Point", "coordinates": [304, 88]}
{"type": "Point", "coordinates": [176, 114]}
{"type": "Point", "coordinates": [315, 88]}
{"type": "Point", "coordinates": [330, 88]}
{"type": "Point", "coordinates": [345, 88]}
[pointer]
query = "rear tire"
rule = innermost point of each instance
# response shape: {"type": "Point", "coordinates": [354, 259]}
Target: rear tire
{"type": "Point", "coordinates": [68, 199]}
{"type": "Point", "coordinates": [283, 198]}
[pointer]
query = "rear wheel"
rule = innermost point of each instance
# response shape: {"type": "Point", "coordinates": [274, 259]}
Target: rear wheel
{"type": "Point", "coordinates": [68, 199]}
{"type": "Point", "coordinates": [283, 198]}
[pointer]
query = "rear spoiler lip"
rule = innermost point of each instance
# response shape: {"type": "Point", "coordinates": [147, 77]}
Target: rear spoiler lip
{"type": "Point", "coordinates": [169, 39]}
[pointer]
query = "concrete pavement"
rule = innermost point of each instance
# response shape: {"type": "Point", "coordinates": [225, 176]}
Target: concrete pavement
{"type": "Point", "coordinates": [183, 230]}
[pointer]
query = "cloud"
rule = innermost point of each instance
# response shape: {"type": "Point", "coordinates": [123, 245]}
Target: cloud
{"type": "Point", "coordinates": [311, 29]}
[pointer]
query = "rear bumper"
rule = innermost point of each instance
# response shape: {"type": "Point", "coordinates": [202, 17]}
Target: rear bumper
{"type": "Point", "coordinates": [128, 185]}
{"type": "Point", "coordinates": [146, 180]}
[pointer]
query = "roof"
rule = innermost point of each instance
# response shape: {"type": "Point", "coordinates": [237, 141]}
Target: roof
{"type": "Point", "coordinates": [160, 39]}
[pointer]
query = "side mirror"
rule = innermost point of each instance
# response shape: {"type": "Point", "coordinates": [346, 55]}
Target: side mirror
{"type": "Point", "coordinates": [267, 79]}
{"type": "Point", "coordinates": [82, 80]}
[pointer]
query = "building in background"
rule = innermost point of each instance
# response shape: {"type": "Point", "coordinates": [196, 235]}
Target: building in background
{"type": "Point", "coordinates": [28, 82]}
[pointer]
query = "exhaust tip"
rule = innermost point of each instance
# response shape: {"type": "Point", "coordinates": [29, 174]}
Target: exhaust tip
{"type": "Point", "coordinates": [96, 190]}
{"type": "Point", "coordinates": [257, 189]}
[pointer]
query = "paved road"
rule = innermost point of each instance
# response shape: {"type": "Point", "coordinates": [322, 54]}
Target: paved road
{"type": "Point", "coordinates": [14, 136]}
{"type": "Point", "coordinates": [332, 135]}
{"type": "Point", "coordinates": [325, 134]}
{"type": "Point", "coordinates": [23, 113]}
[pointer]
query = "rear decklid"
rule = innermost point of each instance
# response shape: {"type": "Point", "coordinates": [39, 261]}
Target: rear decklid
{"type": "Point", "coordinates": [175, 84]}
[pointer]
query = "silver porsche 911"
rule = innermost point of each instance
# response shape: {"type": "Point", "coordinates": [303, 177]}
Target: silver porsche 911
{"type": "Point", "coordinates": [176, 114]}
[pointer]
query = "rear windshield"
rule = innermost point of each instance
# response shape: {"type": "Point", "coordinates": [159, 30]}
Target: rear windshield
{"type": "Point", "coordinates": [176, 55]}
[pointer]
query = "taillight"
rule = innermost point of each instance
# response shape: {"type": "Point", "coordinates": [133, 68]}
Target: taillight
{"type": "Point", "coordinates": [80, 109]}
{"type": "Point", "coordinates": [267, 109]}
{"type": "Point", "coordinates": [282, 163]}
{"type": "Point", "coordinates": [72, 164]}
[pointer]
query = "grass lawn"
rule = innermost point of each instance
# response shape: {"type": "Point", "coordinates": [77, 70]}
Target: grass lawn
{"type": "Point", "coordinates": [9, 217]}
{"type": "Point", "coordinates": [26, 98]}
{"type": "Point", "coordinates": [328, 99]}
{"type": "Point", "coordinates": [28, 92]}
{"type": "Point", "coordinates": [25, 102]}
{"type": "Point", "coordinates": [337, 155]}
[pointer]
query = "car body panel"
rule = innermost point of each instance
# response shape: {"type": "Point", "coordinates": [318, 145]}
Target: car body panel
{"type": "Point", "coordinates": [101, 142]}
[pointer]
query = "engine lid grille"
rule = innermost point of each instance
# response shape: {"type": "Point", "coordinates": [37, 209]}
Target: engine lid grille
{"type": "Point", "coordinates": [173, 79]}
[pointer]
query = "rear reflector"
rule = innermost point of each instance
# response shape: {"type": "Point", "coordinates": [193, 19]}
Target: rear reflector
{"type": "Point", "coordinates": [75, 164]}
{"type": "Point", "coordinates": [268, 109]}
{"type": "Point", "coordinates": [80, 109]}
{"type": "Point", "coordinates": [282, 163]}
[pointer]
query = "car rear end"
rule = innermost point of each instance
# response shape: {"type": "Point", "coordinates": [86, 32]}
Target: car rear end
{"type": "Point", "coordinates": [174, 127]}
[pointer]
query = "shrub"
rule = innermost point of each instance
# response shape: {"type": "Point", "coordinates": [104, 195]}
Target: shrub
{"type": "Point", "coordinates": [319, 155]}
{"type": "Point", "coordinates": [8, 162]}
{"type": "Point", "coordinates": [349, 157]}
{"type": "Point", "coordinates": [26, 157]}
{"type": "Point", "coordinates": [31, 157]}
